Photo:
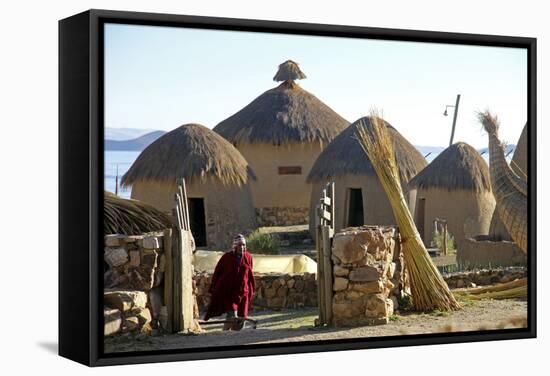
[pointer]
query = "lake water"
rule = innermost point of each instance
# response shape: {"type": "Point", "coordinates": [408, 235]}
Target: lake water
{"type": "Point", "coordinates": [124, 159]}
{"type": "Point", "coordinates": [121, 160]}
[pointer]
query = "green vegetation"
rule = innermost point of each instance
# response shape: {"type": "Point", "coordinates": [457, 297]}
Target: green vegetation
{"type": "Point", "coordinates": [438, 241]}
{"type": "Point", "coordinates": [394, 318]}
{"type": "Point", "coordinates": [438, 313]}
{"type": "Point", "coordinates": [263, 243]}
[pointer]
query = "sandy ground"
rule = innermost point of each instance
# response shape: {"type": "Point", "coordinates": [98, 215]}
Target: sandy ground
{"type": "Point", "coordinates": [297, 325]}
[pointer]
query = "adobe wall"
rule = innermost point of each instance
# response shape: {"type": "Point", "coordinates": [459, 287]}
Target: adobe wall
{"type": "Point", "coordinates": [483, 251]}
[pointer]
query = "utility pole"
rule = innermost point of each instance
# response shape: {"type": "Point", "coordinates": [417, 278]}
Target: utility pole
{"type": "Point", "coordinates": [454, 119]}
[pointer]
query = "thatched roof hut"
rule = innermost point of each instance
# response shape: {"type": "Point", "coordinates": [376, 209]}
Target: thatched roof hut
{"type": "Point", "coordinates": [455, 187]}
{"type": "Point", "coordinates": [217, 179]}
{"type": "Point", "coordinates": [131, 217]}
{"type": "Point", "coordinates": [360, 198]}
{"type": "Point", "coordinates": [281, 133]}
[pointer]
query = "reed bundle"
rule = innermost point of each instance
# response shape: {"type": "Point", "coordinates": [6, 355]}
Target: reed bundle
{"type": "Point", "coordinates": [429, 290]}
{"type": "Point", "coordinates": [131, 217]}
{"type": "Point", "coordinates": [510, 290]}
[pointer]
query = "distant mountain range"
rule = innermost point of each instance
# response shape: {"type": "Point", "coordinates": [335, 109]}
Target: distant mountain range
{"type": "Point", "coordinates": [136, 144]}
{"type": "Point", "coordinates": [125, 134]}
{"type": "Point", "coordinates": [132, 139]}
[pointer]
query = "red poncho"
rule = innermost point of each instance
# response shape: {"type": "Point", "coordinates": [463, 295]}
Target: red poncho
{"type": "Point", "coordinates": [233, 285]}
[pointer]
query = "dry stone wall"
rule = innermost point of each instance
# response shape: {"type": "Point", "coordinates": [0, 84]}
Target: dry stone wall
{"type": "Point", "coordinates": [484, 277]}
{"type": "Point", "coordinates": [368, 275]}
{"type": "Point", "coordinates": [133, 282]}
{"type": "Point", "coordinates": [282, 216]}
{"type": "Point", "coordinates": [273, 291]}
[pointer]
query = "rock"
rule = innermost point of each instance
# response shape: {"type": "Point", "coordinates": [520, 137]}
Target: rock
{"type": "Point", "coordinates": [155, 301]}
{"type": "Point", "coordinates": [348, 310]}
{"type": "Point", "coordinates": [130, 324]}
{"type": "Point", "coordinates": [299, 285]}
{"type": "Point", "coordinates": [460, 283]}
{"type": "Point", "coordinates": [143, 315]}
{"type": "Point", "coordinates": [395, 302]}
{"type": "Point", "coordinates": [365, 274]}
{"type": "Point", "coordinates": [112, 321]}
{"type": "Point", "coordinates": [353, 295]}
{"type": "Point", "coordinates": [391, 270]}
{"type": "Point", "coordinates": [377, 306]}
{"type": "Point", "coordinates": [340, 271]}
{"type": "Point", "coordinates": [134, 258]}
{"type": "Point", "coordinates": [270, 292]}
{"type": "Point", "coordinates": [114, 240]}
{"type": "Point", "coordinates": [282, 291]}
{"type": "Point", "coordinates": [348, 248]}
{"type": "Point", "coordinates": [291, 283]}
{"type": "Point", "coordinates": [151, 242]}
{"type": "Point", "coordinates": [369, 287]}
{"type": "Point", "coordinates": [276, 302]}
{"type": "Point", "coordinates": [471, 285]}
{"type": "Point", "coordinates": [340, 284]}
{"type": "Point", "coordinates": [125, 300]}
{"type": "Point", "coordinates": [115, 257]}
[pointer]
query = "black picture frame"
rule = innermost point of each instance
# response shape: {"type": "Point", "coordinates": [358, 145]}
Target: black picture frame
{"type": "Point", "coordinates": [81, 170]}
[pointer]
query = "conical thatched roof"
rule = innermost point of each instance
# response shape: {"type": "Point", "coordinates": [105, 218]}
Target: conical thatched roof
{"type": "Point", "coordinates": [131, 217]}
{"type": "Point", "coordinates": [344, 156]}
{"type": "Point", "coordinates": [190, 151]}
{"type": "Point", "coordinates": [459, 167]}
{"type": "Point", "coordinates": [289, 70]}
{"type": "Point", "coordinates": [284, 114]}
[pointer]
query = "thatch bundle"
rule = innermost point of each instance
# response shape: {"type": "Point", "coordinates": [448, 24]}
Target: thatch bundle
{"type": "Point", "coordinates": [345, 156]}
{"type": "Point", "coordinates": [289, 70]}
{"type": "Point", "coordinates": [429, 290]}
{"type": "Point", "coordinates": [131, 217]}
{"type": "Point", "coordinates": [190, 151]}
{"type": "Point", "coordinates": [459, 166]}
{"type": "Point", "coordinates": [282, 115]}
{"type": "Point", "coordinates": [510, 290]}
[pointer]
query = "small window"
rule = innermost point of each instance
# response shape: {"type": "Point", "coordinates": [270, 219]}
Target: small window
{"type": "Point", "coordinates": [290, 170]}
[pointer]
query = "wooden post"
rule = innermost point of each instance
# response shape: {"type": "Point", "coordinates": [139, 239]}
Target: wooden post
{"type": "Point", "coordinates": [445, 238]}
{"type": "Point", "coordinates": [320, 276]}
{"type": "Point", "coordinates": [177, 306]}
{"type": "Point", "coordinates": [327, 266]}
{"type": "Point", "coordinates": [168, 279]}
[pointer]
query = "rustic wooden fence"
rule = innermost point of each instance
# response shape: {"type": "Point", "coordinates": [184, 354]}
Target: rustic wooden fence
{"type": "Point", "coordinates": [178, 284]}
{"type": "Point", "coordinates": [324, 221]}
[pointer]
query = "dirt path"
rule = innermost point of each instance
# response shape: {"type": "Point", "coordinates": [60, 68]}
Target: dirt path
{"type": "Point", "coordinates": [297, 325]}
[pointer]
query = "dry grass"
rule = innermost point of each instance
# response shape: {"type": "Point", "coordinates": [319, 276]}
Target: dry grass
{"type": "Point", "coordinates": [131, 217]}
{"type": "Point", "coordinates": [429, 290]}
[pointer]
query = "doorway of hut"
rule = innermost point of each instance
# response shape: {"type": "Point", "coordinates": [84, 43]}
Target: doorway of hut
{"type": "Point", "coordinates": [197, 220]}
{"type": "Point", "coordinates": [355, 207]}
{"type": "Point", "coordinates": [420, 217]}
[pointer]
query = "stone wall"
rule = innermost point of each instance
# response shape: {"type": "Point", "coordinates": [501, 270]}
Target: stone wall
{"type": "Point", "coordinates": [282, 216]}
{"type": "Point", "coordinates": [133, 282]}
{"type": "Point", "coordinates": [484, 277]}
{"type": "Point", "coordinates": [482, 251]}
{"type": "Point", "coordinates": [273, 291]}
{"type": "Point", "coordinates": [368, 275]}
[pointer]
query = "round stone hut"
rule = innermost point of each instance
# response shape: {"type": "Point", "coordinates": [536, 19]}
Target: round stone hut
{"type": "Point", "coordinates": [359, 196]}
{"type": "Point", "coordinates": [217, 181]}
{"type": "Point", "coordinates": [454, 187]}
{"type": "Point", "coordinates": [281, 133]}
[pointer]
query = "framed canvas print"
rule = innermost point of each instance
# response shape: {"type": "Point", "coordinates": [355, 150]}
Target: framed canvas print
{"type": "Point", "coordinates": [234, 187]}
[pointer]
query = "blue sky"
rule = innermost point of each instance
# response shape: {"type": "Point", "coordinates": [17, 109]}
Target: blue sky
{"type": "Point", "coordinates": [161, 77]}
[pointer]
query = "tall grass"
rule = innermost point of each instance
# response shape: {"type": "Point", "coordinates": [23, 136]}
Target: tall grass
{"type": "Point", "coordinates": [262, 243]}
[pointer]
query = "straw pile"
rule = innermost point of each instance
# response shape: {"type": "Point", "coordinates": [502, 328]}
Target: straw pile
{"type": "Point", "coordinates": [511, 290]}
{"type": "Point", "coordinates": [131, 217]}
{"type": "Point", "coordinates": [429, 290]}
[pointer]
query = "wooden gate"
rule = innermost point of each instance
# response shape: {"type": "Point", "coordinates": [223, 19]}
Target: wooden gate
{"type": "Point", "coordinates": [178, 292]}
{"type": "Point", "coordinates": [324, 224]}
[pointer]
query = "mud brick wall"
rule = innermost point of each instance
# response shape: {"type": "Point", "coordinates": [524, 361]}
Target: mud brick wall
{"type": "Point", "coordinates": [273, 291]}
{"type": "Point", "coordinates": [482, 251]}
{"type": "Point", "coordinates": [368, 275]}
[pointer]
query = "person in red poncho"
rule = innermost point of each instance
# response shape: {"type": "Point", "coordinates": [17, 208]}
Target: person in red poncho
{"type": "Point", "coordinates": [233, 285]}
